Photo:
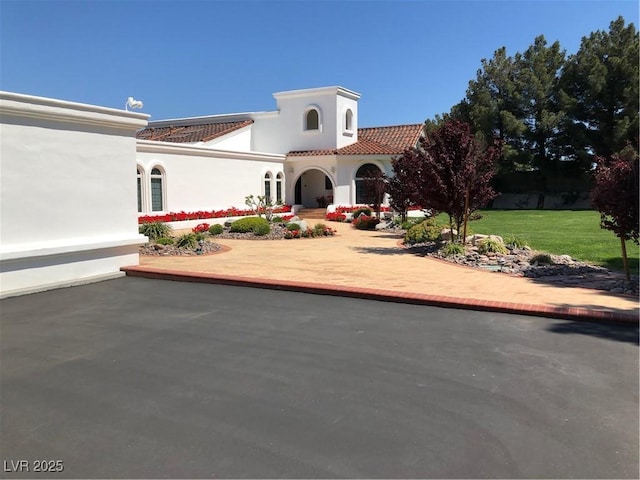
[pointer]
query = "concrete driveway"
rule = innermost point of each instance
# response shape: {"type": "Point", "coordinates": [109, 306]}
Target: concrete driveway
{"type": "Point", "coordinates": [143, 378]}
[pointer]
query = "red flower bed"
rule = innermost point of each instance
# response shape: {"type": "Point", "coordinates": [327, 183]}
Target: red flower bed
{"type": "Point", "coordinates": [181, 216]}
{"type": "Point", "coordinates": [364, 222]}
{"type": "Point", "coordinates": [201, 228]}
{"type": "Point", "coordinates": [336, 217]}
{"type": "Point", "coordinates": [351, 209]}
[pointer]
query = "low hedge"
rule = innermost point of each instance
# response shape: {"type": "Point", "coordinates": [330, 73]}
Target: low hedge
{"type": "Point", "coordinates": [257, 225]}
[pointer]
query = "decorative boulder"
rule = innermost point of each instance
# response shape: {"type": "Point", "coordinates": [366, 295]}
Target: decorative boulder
{"type": "Point", "coordinates": [446, 236]}
{"type": "Point", "coordinates": [478, 238]}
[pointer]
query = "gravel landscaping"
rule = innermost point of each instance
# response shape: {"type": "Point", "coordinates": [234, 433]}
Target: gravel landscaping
{"type": "Point", "coordinates": [563, 270]}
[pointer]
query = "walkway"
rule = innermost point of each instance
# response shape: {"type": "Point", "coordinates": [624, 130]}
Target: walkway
{"type": "Point", "coordinates": [372, 265]}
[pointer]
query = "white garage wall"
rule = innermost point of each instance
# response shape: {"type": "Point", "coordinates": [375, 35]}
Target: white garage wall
{"type": "Point", "coordinates": [67, 187]}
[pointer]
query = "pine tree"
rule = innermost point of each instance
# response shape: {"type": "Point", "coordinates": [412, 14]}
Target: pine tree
{"type": "Point", "coordinates": [539, 105]}
{"type": "Point", "coordinates": [492, 106]}
{"type": "Point", "coordinates": [601, 86]}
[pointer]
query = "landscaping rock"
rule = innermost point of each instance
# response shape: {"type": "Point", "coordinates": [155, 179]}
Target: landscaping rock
{"type": "Point", "coordinates": [446, 236]}
{"type": "Point", "coordinates": [563, 271]}
{"type": "Point", "coordinates": [383, 226]}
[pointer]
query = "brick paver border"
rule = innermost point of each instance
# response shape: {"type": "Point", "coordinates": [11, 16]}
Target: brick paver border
{"type": "Point", "coordinates": [572, 313]}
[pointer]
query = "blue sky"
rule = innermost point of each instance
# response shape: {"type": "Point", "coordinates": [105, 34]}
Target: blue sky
{"type": "Point", "coordinates": [409, 60]}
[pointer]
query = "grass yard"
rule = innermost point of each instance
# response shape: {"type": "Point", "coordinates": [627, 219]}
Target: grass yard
{"type": "Point", "coordinates": [571, 232]}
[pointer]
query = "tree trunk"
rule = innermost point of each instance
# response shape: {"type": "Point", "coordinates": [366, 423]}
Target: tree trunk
{"type": "Point", "coordinates": [466, 216]}
{"type": "Point", "coordinates": [625, 260]}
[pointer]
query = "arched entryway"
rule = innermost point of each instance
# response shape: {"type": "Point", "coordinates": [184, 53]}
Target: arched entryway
{"type": "Point", "coordinates": [313, 189]}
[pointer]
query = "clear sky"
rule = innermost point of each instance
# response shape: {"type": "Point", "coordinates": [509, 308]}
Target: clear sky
{"type": "Point", "coordinates": [409, 60]}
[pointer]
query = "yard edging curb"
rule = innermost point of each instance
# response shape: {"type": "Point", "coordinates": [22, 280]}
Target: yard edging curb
{"type": "Point", "coordinates": [573, 313]}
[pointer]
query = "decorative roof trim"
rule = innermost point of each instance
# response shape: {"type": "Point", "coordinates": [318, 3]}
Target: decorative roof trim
{"type": "Point", "coordinates": [151, 146]}
{"type": "Point", "coordinates": [29, 106]}
{"type": "Point", "coordinates": [335, 90]}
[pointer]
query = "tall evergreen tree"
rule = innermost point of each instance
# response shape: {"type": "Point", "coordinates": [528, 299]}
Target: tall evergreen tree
{"type": "Point", "coordinates": [601, 83]}
{"type": "Point", "coordinates": [539, 106]}
{"type": "Point", "coordinates": [492, 106]}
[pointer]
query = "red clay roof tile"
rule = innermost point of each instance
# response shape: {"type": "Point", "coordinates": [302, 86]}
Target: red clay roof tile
{"type": "Point", "coordinates": [190, 133]}
{"type": "Point", "coordinates": [374, 141]}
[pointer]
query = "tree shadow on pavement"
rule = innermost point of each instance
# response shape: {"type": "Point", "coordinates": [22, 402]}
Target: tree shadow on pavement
{"type": "Point", "coordinates": [619, 333]}
{"type": "Point", "coordinates": [382, 250]}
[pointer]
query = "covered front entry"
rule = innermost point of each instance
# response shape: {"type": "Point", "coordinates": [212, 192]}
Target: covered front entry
{"type": "Point", "coordinates": [313, 189]}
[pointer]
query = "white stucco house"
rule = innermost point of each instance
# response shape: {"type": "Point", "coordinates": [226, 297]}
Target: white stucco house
{"type": "Point", "coordinates": [68, 192]}
{"type": "Point", "coordinates": [309, 147]}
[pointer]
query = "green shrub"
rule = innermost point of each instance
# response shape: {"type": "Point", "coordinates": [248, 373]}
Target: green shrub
{"type": "Point", "coordinates": [188, 240]}
{"type": "Point", "coordinates": [426, 231]}
{"type": "Point", "coordinates": [407, 224]}
{"type": "Point", "coordinates": [359, 211]}
{"type": "Point", "coordinates": [319, 229]}
{"type": "Point", "coordinates": [216, 229]}
{"type": "Point", "coordinates": [247, 224]}
{"type": "Point", "coordinates": [516, 242]}
{"type": "Point", "coordinates": [262, 229]}
{"type": "Point", "coordinates": [276, 219]}
{"type": "Point", "coordinates": [293, 226]}
{"type": "Point", "coordinates": [489, 245]}
{"type": "Point", "coordinates": [165, 241]}
{"type": "Point", "coordinates": [451, 249]}
{"type": "Point", "coordinates": [200, 236]}
{"type": "Point", "coordinates": [155, 230]}
{"type": "Point", "coordinates": [541, 259]}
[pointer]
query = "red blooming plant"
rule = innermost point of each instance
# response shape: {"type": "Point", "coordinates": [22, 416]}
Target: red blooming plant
{"type": "Point", "coordinates": [335, 217]}
{"type": "Point", "coordinates": [365, 222]}
{"type": "Point", "coordinates": [201, 228]}
{"type": "Point", "coordinates": [201, 215]}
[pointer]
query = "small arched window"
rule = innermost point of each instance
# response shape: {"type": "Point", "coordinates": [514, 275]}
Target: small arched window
{"type": "Point", "coordinates": [267, 186]}
{"type": "Point", "coordinates": [139, 185]}
{"type": "Point", "coordinates": [157, 190]}
{"type": "Point", "coordinates": [312, 120]}
{"type": "Point", "coordinates": [364, 171]}
{"type": "Point", "coordinates": [279, 178]}
{"type": "Point", "coordinates": [348, 120]}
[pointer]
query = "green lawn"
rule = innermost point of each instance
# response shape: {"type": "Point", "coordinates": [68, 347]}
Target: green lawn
{"type": "Point", "coordinates": [570, 232]}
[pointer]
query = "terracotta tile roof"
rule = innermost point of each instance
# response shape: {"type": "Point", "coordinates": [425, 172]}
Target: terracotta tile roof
{"type": "Point", "coordinates": [190, 133]}
{"type": "Point", "coordinates": [374, 141]}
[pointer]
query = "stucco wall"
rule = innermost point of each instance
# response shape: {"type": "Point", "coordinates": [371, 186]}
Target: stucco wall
{"type": "Point", "coordinates": [198, 178]}
{"type": "Point", "coordinates": [284, 131]}
{"type": "Point", "coordinates": [238, 141]}
{"type": "Point", "coordinates": [67, 187]}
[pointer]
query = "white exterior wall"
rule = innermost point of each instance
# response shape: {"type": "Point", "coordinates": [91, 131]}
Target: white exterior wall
{"type": "Point", "coordinates": [285, 131]}
{"type": "Point", "coordinates": [199, 178]}
{"type": "Point", "coordinates": [238, 141]}
{"type": "Point", "coordinates": [346, 137]}
{"type": "Point", "coordinates": [67, 187]}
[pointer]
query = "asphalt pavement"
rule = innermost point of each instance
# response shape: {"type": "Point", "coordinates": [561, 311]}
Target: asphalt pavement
{"type": "Point", "coordinates": [139, 378]}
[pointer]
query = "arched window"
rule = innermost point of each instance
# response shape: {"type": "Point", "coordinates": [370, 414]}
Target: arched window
{"type": "Point", "coordinates": [279, 178]}
{"type": "Point", "coordinates": [312, 120]}
{"type": "Point", "coordinates": [139, 182]}
{"type": "Point", "coordinates": [267, 186]}
{"type": "Point", "coordinates": [364, 171]}
{"type": "Point", "coordinates": [348, 120]}
{"type": "Point", "coordinates": [157, 190]}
